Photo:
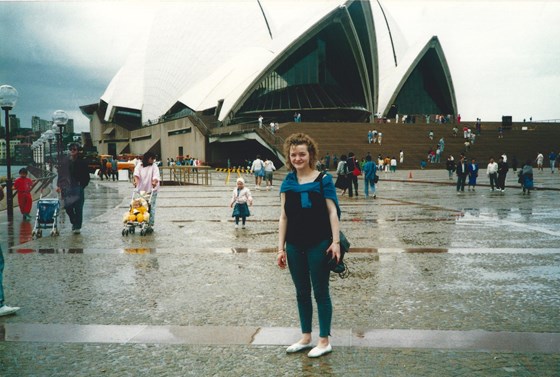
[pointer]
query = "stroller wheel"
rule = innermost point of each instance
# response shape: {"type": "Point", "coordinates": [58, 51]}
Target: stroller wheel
{"type": "Point", "coordinates": [142, 232]}
{"type": "Point", "coordinates": [39, 233]}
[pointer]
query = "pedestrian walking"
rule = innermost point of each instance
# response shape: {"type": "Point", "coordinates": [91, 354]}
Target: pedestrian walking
{"type": "Point", "coordinates": [342, 172]}
{"type": "Point", "coordinates": [269, 169]}
{"type": "Point", "coordinates": [328, 161]}
{"type": "Point", "coordinates": [401, 157]}
{"type": "Point", "coordinates": [461, 174]}
{"type": "Point", "coordinates": [308, 238]}
{"type": "Point", "coordinates": [4, 309]}
{"type": "Point", "coordinates": [370, 170]}
{"type": "Point", "coordinates": [147, 179]}
{"type": "Point", "coordinates": [492, 173]}
{"type": "Point", "coordinates": [113, 168]}
{"type": "Point", "coordinates": [354, 172]}
{"type": "Point", "coordinates": [472, 169]}
{"type": "Point", "coordinates": [450, 166]}
{"type": "Point", "coordinates": [552, 159]}
{"type": "Point", "coordinates": [393, 167]}
{"type": "Point", "coordinates": [23, 186]}
{"type": "Point", "coordinates": [240, 201]}
{"type": "Point", "coordinates": [540, 160]}
{"type": "Point", "coordinates": [503, 168]}
{"type": "Point", "coordinates": [257, 168]}
{"type": "Point", "coordinates": [526, 177]}
{"type": "Point", "coordinates": [73, 178]}
{"type": "Point", "coordinates": [514, 164]}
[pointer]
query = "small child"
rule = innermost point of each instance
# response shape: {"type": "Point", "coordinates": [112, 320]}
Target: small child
{"type": "Point", "coordinates": [23, 185]}
{"type": "Point", "coordinates": [241, 196]}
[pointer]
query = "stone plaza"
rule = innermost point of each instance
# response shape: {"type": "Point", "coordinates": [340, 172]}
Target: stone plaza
{"type": "Point", "coordinates": [442, 283]}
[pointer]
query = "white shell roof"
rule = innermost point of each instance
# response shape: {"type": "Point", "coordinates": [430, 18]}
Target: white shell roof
{"type": "Point", "coordinates": [200, 52]}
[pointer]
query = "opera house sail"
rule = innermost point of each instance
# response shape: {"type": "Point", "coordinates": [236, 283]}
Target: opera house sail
{"type": "Point", "coordinates": [219, 64]}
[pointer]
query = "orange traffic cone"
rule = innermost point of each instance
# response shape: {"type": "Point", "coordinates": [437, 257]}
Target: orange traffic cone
{"type": "Point", "coordinates": [409, 175]}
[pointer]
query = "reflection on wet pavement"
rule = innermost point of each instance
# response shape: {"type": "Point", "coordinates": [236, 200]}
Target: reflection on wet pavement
{"type": "Point", "coordinates": [423, 259]}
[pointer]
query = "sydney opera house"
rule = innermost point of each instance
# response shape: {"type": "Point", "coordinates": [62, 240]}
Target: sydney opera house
{"type": "Point", "coordinates": [205, 71]}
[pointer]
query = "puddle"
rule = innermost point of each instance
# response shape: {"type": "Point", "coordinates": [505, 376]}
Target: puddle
{"type": "Point", "coordinates": [140, 250]}
{"type": "Point", "coordinates": [417, 250]}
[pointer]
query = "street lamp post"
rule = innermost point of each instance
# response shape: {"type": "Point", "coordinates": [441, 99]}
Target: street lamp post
{"type": "Point", "coordinates": [49, 136]}
{"type": "Point", "coordinates": [8, 99]}
{"type": "Point", "coordinates": [60, 118]}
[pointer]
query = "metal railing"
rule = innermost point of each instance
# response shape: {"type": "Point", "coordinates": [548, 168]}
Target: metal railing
{"type": "Point", "coordinates": [186, 175]}
{"type": "Point", "coordinates": [43, 182]}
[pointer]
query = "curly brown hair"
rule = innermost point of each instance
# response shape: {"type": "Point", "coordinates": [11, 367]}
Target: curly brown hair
{"type": "Point", "coordinates": [301, 139]}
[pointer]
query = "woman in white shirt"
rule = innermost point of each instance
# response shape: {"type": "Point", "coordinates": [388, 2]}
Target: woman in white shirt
{"type": "Point", "coordinates": [147, 179]}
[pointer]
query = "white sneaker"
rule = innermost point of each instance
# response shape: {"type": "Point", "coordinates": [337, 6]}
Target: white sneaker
{"type": "Point", "coordinates": [5, 310]}
{"type": "Point", "coordinates": [243, 226]}
{"type": "Point", "coordinates": [236, 226]}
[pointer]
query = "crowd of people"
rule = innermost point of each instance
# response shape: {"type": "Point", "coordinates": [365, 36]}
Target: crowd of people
{"type": "Point", "coordinates": [467, 172]}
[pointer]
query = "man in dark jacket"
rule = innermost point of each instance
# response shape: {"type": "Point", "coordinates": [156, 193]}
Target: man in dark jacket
{"type": "Point", "coordinates": [461, 174]}
{"type": "Point", "coordinates": [73, 177]}
{"type": "Point", "coordinates": [352, 164]}
{"type": "Point", "coordinates": [450, 166]}
{"type": "Point", "coordinates": [503, 168]}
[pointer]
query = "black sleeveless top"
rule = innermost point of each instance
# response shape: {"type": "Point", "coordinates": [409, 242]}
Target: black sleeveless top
{"type": "Point", "coordinates": [307, 226]}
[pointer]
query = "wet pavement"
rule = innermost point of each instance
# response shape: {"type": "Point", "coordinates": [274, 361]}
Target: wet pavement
{"type": "Point", "coordinates": [442, 283]}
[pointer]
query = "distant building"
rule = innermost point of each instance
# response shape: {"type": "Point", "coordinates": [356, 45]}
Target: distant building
{"type": "Point", "coordinates": [15, 122]}
{"type": "Point", "coordinates": [40, 125]}
{"type": "Point", "coordinates": [13, 144]}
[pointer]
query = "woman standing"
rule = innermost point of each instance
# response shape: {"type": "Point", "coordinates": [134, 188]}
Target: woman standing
{"type": "Point", "coordinates": [147, 179]}
{"type": "Point", "coordinates": [472, 170]}
{"type": "Point", "coordinates": [526, 177]}
{"type": "Point", "coordinates": [308, 238]}
{"type": "Point", "coordinates": [342, 175]}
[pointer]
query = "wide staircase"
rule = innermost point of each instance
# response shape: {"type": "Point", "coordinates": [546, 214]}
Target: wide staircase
{"type": "Point", "coordinates": [523, 140]}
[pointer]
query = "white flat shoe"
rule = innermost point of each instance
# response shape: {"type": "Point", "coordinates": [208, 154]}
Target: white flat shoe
{"type": "Point", "coordinates": [319, 351]}
{"type": "Point", "coordinates": [296, 347]}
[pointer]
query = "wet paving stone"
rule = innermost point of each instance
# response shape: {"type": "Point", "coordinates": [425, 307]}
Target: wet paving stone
{"type": "Point", "coordinates": [422, 257]}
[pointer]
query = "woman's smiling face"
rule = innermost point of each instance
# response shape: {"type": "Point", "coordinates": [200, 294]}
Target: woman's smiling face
{"type": "Point", "coordinates": [299, 156]}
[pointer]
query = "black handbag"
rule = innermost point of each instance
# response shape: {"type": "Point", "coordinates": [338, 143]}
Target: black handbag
{"type": "Point", "coordinates": [340, 267]}
{"type": "Point", "coordinates": [376, 179]}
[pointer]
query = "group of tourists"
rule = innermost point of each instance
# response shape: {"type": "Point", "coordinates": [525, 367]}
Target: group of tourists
{"type": "Point", "coordinates": [262, 170]}
{"type": "Point", "coordinates": [467, 173]}
{"type": "Point", "coordinates": [348, 171]}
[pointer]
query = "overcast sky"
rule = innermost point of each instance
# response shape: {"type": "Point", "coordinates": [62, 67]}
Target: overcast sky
{"type": "Point", "coordinates": [503, 55]}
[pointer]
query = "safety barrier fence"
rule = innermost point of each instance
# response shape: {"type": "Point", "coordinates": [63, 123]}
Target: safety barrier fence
{"type": "Point", "coordinates": [186, 175]}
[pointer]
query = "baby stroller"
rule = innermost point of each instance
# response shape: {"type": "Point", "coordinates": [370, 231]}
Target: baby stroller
{"type": "Point", "coordinates": [139, 214]}
{"type": "Point", "coordinates": [47, 217]}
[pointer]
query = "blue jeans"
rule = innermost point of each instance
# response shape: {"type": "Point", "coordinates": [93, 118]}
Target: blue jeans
{"type": "Point", "coordinates": [308, 267]}
{"type": "Point", "coordinates": [1, 276]}
{"type": "Point", "coordinates": [367, 184]}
